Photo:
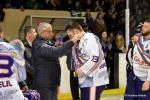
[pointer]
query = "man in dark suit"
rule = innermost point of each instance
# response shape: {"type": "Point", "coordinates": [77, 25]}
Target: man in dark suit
{"type": "Point", "coordinates": [45, 57]}
{"type": "Point", "coordinates": [29, 36]}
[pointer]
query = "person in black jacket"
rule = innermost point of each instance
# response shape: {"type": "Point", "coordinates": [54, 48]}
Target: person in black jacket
{"type": "Point", "coordinates": [45, 58]}
{"type": "Point", "coordinates": [74, 83]}
{"type": "Point", "coordinates": [29, 36]}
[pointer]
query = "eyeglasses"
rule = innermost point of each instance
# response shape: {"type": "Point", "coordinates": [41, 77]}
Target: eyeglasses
{"type": "Point", "coordinates": [50, 32]}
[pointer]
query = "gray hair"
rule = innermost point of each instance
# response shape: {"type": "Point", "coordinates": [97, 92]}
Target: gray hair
{"type": "Point", "coordinates": [43, 26]}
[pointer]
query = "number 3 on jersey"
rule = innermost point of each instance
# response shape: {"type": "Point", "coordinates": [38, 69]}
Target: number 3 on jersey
{"type": "Point", "coordinates": [6, 63]}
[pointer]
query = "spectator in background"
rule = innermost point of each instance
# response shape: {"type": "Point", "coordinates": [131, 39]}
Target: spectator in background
{"type": "Point", "coordinates": [89, 19]}
{"type": "Point", "coordinates": [106, 43]}
{"type": "Point", "coordinates": [17, 4]}
{"type": "Point", "coordinates": [5, 3]}
{"type": "Point", "coordinates": [112, 9]}
{"type": "Point", "coordinates": [99, 24]}
{"type": "Point", "coordinates": [58, 4]}
{"type": "Point", "coordinates": [111, 37]}
{"type": "Point", "coordinates": [102, 4]}
{"type": "Point", "coordinates": [57, 39]}
{"type": "Point", "coordinates": [46, 4]}
{"type": "Point", "coordinates": [120, 5]}
{"type": "Point", "coordinates": [51, 5]}
{"type": "Point", "coordinates": [110, 20]}
{"type": "Point", "coordinates": [68, 5]}
{"type": "Point", "coordinates": [133, 8]}
{"type": "Point", "coordinates": [106, 5]}
{"type": "Point", "coordinates": [32, 4]}
{"type": "Point", "coordinates": [29, 36]}
{"type": "Point", "coordinates": [106, 46]}
{"type": "Point", "coordinates": [120, 43]}
{"type": "Point", "coordinates": [45, 58]}
{"type": "Point", "coordinates": [120, 25]}
{"type": "Point", "coordinates": [85, 27]}
{"type": "Point", "coordinates": [2, 13]}
{"type": "Point", "coordinates": [132, 25]}
{"type": "Point", "coordinates": [87, 4]}
{"type": "Point", "coordinates": [97, 6]}
{"type": "Point", "coordinates": [76, 6]}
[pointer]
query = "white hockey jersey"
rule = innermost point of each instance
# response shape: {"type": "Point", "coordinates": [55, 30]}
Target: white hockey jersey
{"type": "Point", "coordinates": [10, 74]}
{"type": "Point", "coordinates": [141, 59]}
{"type": "Point", "coordinates": [88, 53]}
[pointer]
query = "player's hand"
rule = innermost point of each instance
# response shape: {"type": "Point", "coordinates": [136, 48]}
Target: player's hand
{"type": "Point", "coordinates": [79, 72]}
{"type": "Point", "coordinates": [25, 88]}
{"type": "Point", "coordinates": [146, 86]}
{"type": "Point", "coordinates": [76, 37]}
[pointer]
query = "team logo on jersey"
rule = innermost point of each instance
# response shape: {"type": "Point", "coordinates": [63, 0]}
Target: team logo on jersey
{"type": "Point", "coordinates": [5, 84]}
{"type": "Point", "coordinates": [13, 52]}
{"type": "Point", "coordinates": [139, 61]}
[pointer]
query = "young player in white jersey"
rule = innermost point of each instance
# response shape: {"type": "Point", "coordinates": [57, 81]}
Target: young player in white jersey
{"type": "Point", "coordinates": [89, 63]}
{"type": "Point", "coordinates": [12, 70]}
{"type": "Point", "coordinates": [138, 57]}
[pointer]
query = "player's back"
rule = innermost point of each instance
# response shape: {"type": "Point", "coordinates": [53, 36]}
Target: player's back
{"type": "Point", "coordinates": [8, 72]}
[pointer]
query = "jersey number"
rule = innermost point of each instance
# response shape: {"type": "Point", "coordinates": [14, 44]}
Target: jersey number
{"type": "Point", "coordinates": [6, 63]}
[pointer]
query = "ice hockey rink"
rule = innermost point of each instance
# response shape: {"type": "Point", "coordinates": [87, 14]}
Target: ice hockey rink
{"type": "Point", "coordinates": [114, 94]}
{"type": "Point", "coordinates": [113, 98]}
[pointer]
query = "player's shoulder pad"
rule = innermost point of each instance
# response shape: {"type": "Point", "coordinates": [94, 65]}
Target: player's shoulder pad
{"type": "Point", "coordinates": [89, 36]}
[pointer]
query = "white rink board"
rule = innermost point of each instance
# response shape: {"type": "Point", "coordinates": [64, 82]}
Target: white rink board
{"type": "Point", "coordinates": [122, 70]}
{"type": "Point", "coordinates": [65, 76]}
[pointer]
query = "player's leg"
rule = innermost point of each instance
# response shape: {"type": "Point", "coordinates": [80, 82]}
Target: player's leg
{"type": "Point", "coordinates": [131, 87]}
{"type": "Point", "coordinates": [91, 93]}
{"type": "Point", "coordinates": [85, 92]}
{"type": "Point", "coordinates": [99, 91]}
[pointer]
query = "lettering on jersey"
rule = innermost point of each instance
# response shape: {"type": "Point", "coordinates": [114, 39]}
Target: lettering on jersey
{"type": "Point", "coordinates": [5, 67]}
{"type": "Point", "coordinates": [139, 61]}
{"type": "Point", "coordinates": [102, 66]}
{"type": "Point", "coordinates": [5, 84]}
{"type": "Point", "coordinates": [95, 58]}
{"type": "Point", "coordinates": [146, 46]}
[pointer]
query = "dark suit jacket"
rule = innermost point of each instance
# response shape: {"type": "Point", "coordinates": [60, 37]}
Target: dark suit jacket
{"type": "Point", "coordinates": [45, 57]}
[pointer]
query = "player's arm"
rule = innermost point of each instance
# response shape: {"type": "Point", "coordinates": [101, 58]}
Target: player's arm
{"type": "Point", "coordinates": [146, 84]}
{"type": "Point", "coordinates": [93, 49]}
